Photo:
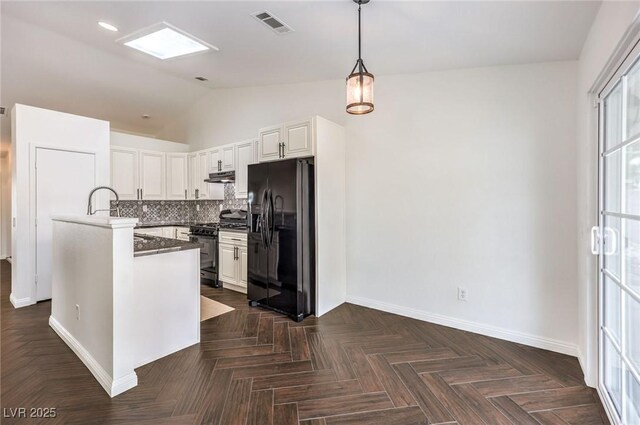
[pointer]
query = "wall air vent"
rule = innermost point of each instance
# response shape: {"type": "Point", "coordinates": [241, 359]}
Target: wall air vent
{"type": "Point", "coordinates": [3, 111]}
{"type": "Point", "coordinates": [275, 24]}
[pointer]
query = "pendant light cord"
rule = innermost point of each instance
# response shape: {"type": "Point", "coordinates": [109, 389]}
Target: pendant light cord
{"type": "Point", "coordinates": [359, 35]}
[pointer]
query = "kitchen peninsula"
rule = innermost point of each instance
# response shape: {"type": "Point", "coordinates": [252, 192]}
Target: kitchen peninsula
{"type": "Point", "coordinates": [122, 300]}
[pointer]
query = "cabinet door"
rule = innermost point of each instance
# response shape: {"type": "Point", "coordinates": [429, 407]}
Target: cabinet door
{"type": "Point", "coordinates": [269, 140]}
{"type": "Point", "coordinates": [215, 160]}
{"type": "Point", "coordinates": [228, 157]}
{"type": "Point", "coordinates": [177, 175]}
{"type": "Point", "coordinates": [203, 169]}
{"type": "Point", "coordinates": [245, 152]}
{"type": "Point", "coordinates": [228, 268]}
{"type": "Point", "coordinates": [152, 175]}
{"type": "Point", "coordinates": [242, 266]}
{"type": "Point", "coordinates": [298, 139]}
{"type": "Point", "coordinates": [124, 173]}
{"type": "Point", "coordinates": [194, 175]}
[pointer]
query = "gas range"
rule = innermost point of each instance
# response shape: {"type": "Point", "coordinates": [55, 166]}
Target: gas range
{"type": "Point", "coordinates": [206, 229]}
{"type": "Point", "coordinates": [233, 220]}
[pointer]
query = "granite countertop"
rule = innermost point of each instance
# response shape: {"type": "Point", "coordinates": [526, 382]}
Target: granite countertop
{"type": "Point", "coordinates": [151, 245]}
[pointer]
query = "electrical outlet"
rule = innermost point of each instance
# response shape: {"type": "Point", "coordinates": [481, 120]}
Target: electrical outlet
{"type": "Point", "coordinates": [462, 294]}
{"type": "Point", "coordinates": [77, 311]}
{"type": "Point", "coordinates": [144, 208]}
{"type": "Point", "coordinates": [197, 207]}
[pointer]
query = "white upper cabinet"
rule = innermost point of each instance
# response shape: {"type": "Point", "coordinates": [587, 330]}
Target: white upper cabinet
{"type": "Point", "coordinates": [203, 170]}
{"type": "Point", "coordinates": [124, 172]}
{"type": "Point", "coordinates": [298, 139]}
{"type": "Point", "coordinates": [270, 140]}
{"type": "Point", "coordinates": [215, 160]}
{"type": "Point", "coordinates": [289, 140]}
{"type": "Point", "coordinates": [177, 175]}
{"type": "Point", "coordinates": [194, 175]}
{"type": "Point", "coordinates": [228, 157]}
{"type": "Point", "coordinates": [245, 156]}
{"type": "Point", "coordinates": [152, 175]}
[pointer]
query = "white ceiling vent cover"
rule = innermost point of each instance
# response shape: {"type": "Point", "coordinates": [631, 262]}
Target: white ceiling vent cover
{"type": "Point", "coordinates": [274, 24]}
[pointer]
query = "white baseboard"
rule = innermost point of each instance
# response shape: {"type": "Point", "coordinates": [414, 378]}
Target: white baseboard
{"type": "Point", "coordinates": [232, 287]}
{"type": "Point", "coordinates": [20, 302]}
{"type": "Point", "coordinates": [112, 387]}
{"type": "Point", "coordinates": [466, 325]}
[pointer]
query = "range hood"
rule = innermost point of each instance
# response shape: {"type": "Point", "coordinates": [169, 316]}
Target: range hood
{"type": "Point", "coordinates": [222, 177]}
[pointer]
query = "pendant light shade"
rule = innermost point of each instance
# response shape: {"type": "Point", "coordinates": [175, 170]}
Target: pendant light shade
{"type": "Point", "coordinates": [360, 81]}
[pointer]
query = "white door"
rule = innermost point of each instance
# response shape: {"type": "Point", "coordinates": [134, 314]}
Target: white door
{"type": "Point", "coordinates": [619, 254]}
{"type": "Point", "coordinates": [64, 180]}
{"type": "Point", "coordinates": [152, 175]}
{"type": "Point", "coordinates": [246, 153]}
{"type": "Point", "coordinates": [203, 169]}
{"type": "Point", "coordinates": [227, 256]}
{"type": "Point", "coordinates": [124, 173]}
{"type": "Point", "coordinates": [270, 140]}
{"type": "Point", "coordinates": [215, 161]}
{"type": "Point", "coordinates": [194, 175]}
{"type": "Point", "coordinates": [228, 157]}
{"type": "Point", "coordinates": [243, 264]}
{"type": "Point", "coordinates": [298, 139]}
{"type": "Point", "coordinates": [177, 175]}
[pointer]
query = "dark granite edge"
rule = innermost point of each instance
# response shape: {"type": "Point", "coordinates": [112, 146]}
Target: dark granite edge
{"type": "Point", "coordinates": [156, 245]}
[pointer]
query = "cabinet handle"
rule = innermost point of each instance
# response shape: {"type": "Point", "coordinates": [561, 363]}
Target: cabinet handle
{"type": "Point", "coordinates": [283, 149]}
{"type": "Point", "coordinates": [197, 193]}
{"type": "Point", "coordinates": [141, 195]}
{"type": "Point", "coordinates": [185, 194]}
{"type": "Point", "coordinates": [219, 165]}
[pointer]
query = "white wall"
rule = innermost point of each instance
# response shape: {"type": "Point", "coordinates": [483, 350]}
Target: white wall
{"type": "Point", "coordinates": [35, 126]}
{"type": "Point", "coordinates": [134, 141]}
{"type": "Point", "coordinates": [5, 203]}
{"type": "Point", "coordinates": [459, 178]}
{"type": "Point", "coordinates": [610, 24]}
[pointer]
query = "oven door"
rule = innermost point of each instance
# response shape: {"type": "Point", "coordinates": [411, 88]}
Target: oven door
{"type": "Point", "coordinates": [208, 258]}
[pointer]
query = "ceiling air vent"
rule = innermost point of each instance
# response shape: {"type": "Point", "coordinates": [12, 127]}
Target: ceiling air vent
{"type": "Point", "coordinates": [274, 24]}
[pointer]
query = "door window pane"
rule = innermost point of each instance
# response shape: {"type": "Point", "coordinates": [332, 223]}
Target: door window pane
{"type": "Point", "coordinates": [613, 178]}
{"type": "Point", "coordinates": [612, 374]}
{"type": "Point", "coordinates": [613, 118]}
{"type": "Point", "coordinates": [612, 241]}
{"type": "Point", "coordinates": [613, 303]}
{"type": "Point", "coordinates": [632, 183]}
{"type": "Point", "coordinates": [633, 331]}
{"type": "Point", "coordinates": [633, 101]}
{"type": "Point", "coordinates": [632, 414]}
{"type": "Point", "coordinates": [632, 254]}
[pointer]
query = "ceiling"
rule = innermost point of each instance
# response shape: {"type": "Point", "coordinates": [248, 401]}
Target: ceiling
{"type": "Point", "coordinates": [54, 54]}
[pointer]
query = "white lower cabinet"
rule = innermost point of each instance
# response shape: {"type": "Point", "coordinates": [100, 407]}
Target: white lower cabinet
{"type": "Point", "coordinates": [232, 260]}
{"type": "Point", "coordinates": [150, 231]}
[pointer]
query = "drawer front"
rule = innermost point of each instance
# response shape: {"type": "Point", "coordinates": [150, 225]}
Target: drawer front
{"type": "Point", "coordinates": [182, 233]}
{"type": "Point", "coordinates": [233, 238]}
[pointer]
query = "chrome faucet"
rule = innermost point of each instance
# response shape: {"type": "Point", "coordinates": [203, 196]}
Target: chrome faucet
{"type": "Point", "coordinates": [116, 209]}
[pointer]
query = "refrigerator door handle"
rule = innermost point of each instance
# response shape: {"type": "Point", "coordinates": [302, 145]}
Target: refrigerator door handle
{"type": "Point", "coordinates": [263, 216]}
{"type": "Point", "coordinates": [271, 226]}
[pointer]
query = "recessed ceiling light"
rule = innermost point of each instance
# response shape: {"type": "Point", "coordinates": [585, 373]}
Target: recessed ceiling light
{"type": "Point", "coordinates": [107, 26]}
{"type": "Point", "coordinates": [201, 79]}
{"type": "Point", "coordinates": [165, 41]}
{"type": "Point", "coordinates": [146, 116]}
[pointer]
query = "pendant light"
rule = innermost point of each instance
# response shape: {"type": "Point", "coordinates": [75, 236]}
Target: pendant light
{"type": "Point", "coordinates": [360, 81]}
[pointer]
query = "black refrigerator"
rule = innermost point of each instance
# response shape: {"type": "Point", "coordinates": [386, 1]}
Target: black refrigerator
{"type": "Point", "coordinates": [281, 240]}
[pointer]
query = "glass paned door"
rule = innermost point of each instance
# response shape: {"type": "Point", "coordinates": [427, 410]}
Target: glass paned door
{"type": "Point", "coordinates": [619, 248]}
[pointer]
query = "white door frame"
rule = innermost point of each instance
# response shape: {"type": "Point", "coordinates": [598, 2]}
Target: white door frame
{"type": "Point", "coordinates": [625, 55]}
{"type": "Point", "coordinates": [33, 147]}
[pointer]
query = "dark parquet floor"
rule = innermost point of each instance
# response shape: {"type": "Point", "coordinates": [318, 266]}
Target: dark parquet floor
{"type": "Point", "coordinates": [353, 366]}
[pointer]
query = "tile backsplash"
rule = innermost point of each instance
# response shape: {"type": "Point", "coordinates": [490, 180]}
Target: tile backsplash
{"type": "Point", "coordinates": [191, 211]}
